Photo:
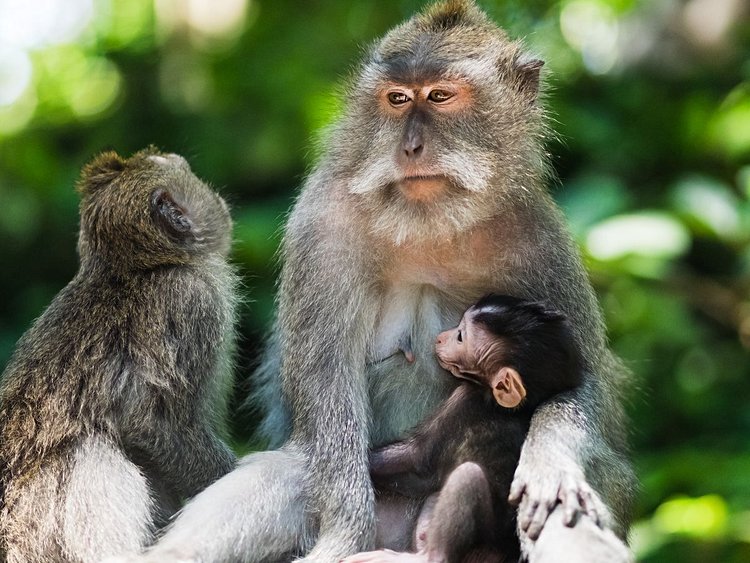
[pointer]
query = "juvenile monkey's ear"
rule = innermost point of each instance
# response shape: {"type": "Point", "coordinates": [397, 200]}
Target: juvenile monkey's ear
{"type": "Point", "coordinates": [507, 388]}
{"type": "Point", "coordinates": [527, 72]}
{"type": "Point", "coordinates": [100, 172]}
{"type": "Point", "coordinates": [170, 215]}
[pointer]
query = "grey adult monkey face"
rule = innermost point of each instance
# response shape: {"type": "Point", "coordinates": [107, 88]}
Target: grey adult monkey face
{"type": "Point", "coordinates": [434, 128]}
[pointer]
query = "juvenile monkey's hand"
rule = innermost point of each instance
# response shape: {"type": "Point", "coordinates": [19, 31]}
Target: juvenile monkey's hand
{"type": "Point", "coordinates": [539, 486]}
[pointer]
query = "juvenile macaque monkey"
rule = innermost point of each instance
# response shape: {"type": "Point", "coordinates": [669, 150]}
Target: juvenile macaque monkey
{"type": "Point", "coordinates": [112, 405]}
{"type": "Point", "coordinates": [515, 354]}
{"type": "Point", "coordinates": [430, 192]}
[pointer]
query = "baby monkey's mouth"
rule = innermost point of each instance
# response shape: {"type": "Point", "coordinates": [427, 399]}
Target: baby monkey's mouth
{"type": "Point", "coordinates": [456, 371]}
{"type": "Point", "coordinates": [451, 367]}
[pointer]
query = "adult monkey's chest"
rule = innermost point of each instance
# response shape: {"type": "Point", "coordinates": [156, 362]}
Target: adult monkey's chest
{"type": "Point", "coordinates": [424, 290]}
{"type": "Point", "coordinates": [403, 392]}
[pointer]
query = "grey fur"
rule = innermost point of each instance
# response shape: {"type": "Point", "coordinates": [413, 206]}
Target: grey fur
{"type": "Point", "coordinates": [253, 514]}
{"type": "Point", "coordinates": [364, 269]}
{"type": "Point", "coordinates": [112, 405]}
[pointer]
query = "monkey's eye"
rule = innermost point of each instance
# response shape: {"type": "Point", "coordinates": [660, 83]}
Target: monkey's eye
{"type": "Point", "coordinates": [439, 96]}
{"type": "Point", "coordinates": [397, 98]}
{"type": "Point", "coordinates": [459, 337]}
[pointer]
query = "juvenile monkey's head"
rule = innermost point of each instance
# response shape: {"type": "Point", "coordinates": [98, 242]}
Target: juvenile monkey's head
{"type": "Point", "coordinates": [524, 351]}
{"type": "Point", "coordinates": [147, 211]}
{"type": "Point", "coordinates": [443, 124]}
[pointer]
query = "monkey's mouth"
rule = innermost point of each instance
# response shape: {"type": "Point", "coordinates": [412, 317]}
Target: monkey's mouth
{"type": "Point", "coordinates": [456, 371]}
{"type": "Point", "coordinates": [448, 366]}
{"type": "Point", "coordinates": [418, 177]}
{"type": "Point", "coordinates": [422, 188]}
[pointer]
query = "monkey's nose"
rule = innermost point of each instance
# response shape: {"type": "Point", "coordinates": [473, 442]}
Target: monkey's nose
{"type": "Point", "coordinates": [413, 143]}
{"type": "Point", "coordinates": [413, 150]}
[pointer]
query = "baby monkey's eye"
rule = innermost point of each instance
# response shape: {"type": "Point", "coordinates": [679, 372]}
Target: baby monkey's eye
{"type": "Point", "coordinates": [439, 96]}
{"type": "Point", "coordinates": [459, 337]}
{"type": "Point", "coordinates": [397, 98]}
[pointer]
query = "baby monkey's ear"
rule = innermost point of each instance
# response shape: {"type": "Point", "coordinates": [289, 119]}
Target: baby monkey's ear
{"type": "Point", "coordinates": [507, 388]}
{"type": "Point", "coordinates": [100, 172]}
{"type": "Point", "coordinates": [172, 217]}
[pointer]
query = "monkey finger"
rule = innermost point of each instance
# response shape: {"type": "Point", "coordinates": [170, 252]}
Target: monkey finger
{"type": "Point", "coordinates": [569, 495]}
{"type": "Point", "coordinates": [589, 504]}
{"type": "Point", "coordinates": [526, 511]}
{"type": "Point", "coordinates": [594, 514]}
{"type": "Point", "coordinates": [590, 509]}
{"type": "Point", "coordinates": [571, 506]}
{"type": "Point", "coordinates": [517, 489]}
{"type": "Point", "coordinates": [540, 517]}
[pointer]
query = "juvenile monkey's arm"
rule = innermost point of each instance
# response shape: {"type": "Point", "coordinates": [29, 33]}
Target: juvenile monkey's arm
{"type": "Point", "coordinates": [402, 468]}
{"type": "Point", "coordinates": [412, 467]}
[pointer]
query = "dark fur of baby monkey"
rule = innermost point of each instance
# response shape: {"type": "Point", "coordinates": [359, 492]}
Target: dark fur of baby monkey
{"type": "Point", "coordinates": [112, 406]}
{"type": "Point", "coordinates": [513, 354]}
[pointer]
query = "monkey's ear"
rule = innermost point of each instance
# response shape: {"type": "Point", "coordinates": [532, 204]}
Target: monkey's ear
{"type": "Point", "coordinates": [170, 215]}
{"type": "Point", "coordinates": [527, 72]}
{"type": "Point", "coordinates": [507, 388]}
{"type": "Point", "coordinates": [100, 172]}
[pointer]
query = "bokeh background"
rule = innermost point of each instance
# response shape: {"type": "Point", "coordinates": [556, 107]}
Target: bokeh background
{"type": "Point", "coordinates": [651, 103]}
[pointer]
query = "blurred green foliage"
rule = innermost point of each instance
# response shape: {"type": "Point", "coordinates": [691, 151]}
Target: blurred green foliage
{"type": "Point", "coordinates": [651, 104]}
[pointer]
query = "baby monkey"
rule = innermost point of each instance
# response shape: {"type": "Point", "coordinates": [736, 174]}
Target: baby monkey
{"type": "Point", "coordinates": [112, 405]}
{"type": "Point", "coordinates": [513, 354]}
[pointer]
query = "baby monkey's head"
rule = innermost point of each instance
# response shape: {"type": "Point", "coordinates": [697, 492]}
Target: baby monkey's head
{"type": "Point", "coordinates": [524, 351]}
{"type": "Point", "coordinates": [147, 211]}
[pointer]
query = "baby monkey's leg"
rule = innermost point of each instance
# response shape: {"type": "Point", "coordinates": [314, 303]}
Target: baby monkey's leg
{"type": "Point", "coordinates": [454, 526]}
{"type": "Point", "coordinates": [460, 520]}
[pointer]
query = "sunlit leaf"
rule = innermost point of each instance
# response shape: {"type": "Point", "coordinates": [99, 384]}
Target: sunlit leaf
{"type": "Point", "coordinates": [710, 203]}
{"type": "Point", "coordinates": [730, 126]}
{"type": "Point", "coordinates": [649, 234]}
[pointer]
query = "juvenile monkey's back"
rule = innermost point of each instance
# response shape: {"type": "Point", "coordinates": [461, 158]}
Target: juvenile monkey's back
{"type": "Point", "coordinates": [134, 349]}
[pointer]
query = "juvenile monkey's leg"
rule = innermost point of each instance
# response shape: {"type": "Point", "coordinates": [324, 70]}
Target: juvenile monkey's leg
{"type": "Point", "coordinates": [451, 524]}
{"type": "Point", "coordinates": [461, 517]}
{"type": "Point", "coordinates": [254, 513]}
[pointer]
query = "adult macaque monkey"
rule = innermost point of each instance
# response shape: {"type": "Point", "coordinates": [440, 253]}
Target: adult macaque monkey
{"type": "Point", "coordinates": [430, 194]}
